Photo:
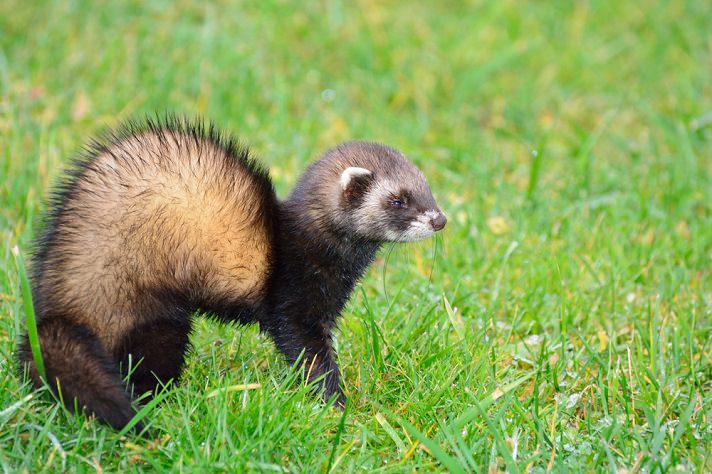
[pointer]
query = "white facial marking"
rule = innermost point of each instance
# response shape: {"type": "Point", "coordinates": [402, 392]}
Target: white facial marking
{"type": "Point", "coordinates": [350, 173]}
{"type": "Point", "coordinates": [416, 231]}
{"type": "Point", "coordinates": [420, 228]}
{"type": "Point", "coordinates": [371, 209]}
{"type": "Point", "coordinates": [393, 236]}
{"type": "Point", "coordinates": [371, 212]}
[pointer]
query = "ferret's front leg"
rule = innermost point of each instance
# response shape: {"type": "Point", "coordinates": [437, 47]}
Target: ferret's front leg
{"type": "Point", "coordinates": [319, 359]}
{"type": "Point", "coordinates": [323, 365]}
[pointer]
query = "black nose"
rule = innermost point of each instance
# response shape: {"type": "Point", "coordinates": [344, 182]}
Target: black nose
{"type": "Point", "coordinates": [438, 222]}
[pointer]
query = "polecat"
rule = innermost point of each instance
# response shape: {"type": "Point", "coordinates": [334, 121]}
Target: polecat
{"type": "Point", "coordinates": [163, 218]}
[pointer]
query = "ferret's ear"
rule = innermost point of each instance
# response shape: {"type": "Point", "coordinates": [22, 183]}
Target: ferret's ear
{"type": "Point", "coordinates": [355, 181]}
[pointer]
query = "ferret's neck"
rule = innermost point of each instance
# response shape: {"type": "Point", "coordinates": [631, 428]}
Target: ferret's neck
{"type": "Point", "coordinates": [318, 264]}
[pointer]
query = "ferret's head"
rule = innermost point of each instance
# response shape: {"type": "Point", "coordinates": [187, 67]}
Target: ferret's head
{"type": "Point", "coordinates": [378, 194]}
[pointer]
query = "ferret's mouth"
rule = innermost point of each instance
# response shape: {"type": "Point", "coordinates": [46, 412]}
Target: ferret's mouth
{"type": "Point", "coordinates": [424, 226]}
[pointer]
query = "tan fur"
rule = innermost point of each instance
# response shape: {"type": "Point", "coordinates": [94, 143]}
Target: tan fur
{"type": "Point", "coordinates": [155, 210]}
{"type": "Point", "coordinates": [165, 217]}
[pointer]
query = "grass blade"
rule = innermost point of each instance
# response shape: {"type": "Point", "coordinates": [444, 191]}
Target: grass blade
{"type": "Point", "coordinates": [30, 320]}
{"type": "Point", "coordinates": [145, 410]}
{"type": "Point", "coordinates": [391, 432]}
{"type": "Point", "coordinates": [475, 411]}
{"type": "Point", "coordinates": [335, 445]}
{"type": "Point", "coordinates": [436, 451]}
{"type": "Point", "coordinates": [455, 319]}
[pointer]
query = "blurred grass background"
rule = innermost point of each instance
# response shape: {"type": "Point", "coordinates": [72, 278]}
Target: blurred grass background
{"type": "Point", "coordinates": [570, 145]}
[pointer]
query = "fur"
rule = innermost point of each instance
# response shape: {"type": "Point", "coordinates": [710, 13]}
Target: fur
{"type": "Point", "coordinates": [163, 218]}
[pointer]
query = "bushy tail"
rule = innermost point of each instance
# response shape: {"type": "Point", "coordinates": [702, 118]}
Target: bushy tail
{"type": "Point", "coordinates": [78, 367]}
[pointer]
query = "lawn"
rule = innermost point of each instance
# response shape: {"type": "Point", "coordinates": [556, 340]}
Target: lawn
{"type": "Point", "coordinates": [563, 319]}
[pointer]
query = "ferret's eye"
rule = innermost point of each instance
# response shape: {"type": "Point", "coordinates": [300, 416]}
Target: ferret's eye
{"type": "Point", "coordinates": [397, 203]}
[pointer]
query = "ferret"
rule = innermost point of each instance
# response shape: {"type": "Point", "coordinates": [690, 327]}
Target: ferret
{"type": "Point", "coordinates": [163, 218]}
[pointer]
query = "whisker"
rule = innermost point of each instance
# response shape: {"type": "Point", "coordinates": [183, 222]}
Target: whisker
{"type": "Point", "coordinates": [391, 246]}
{"type": "Point", "coordinates": [433, 261]}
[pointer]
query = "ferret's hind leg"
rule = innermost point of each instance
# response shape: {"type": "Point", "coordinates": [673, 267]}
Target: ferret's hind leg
{"type": "Point", "coordinates": [156, 351]}
{"type": "Point", "coordinates": [78, 366]}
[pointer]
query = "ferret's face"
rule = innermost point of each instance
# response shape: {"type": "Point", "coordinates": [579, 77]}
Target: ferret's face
{"type": "Point", "coordinates": [394, 207]}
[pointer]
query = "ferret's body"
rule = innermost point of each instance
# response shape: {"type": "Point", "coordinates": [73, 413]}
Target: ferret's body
{"type": "Point", "coordinates": [164, 219]}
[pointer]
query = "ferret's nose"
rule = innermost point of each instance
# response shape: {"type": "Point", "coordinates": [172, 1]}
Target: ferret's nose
{"type": "Point", "coordinates": [438, 222]}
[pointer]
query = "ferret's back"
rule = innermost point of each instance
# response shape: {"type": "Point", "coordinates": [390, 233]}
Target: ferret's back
{"type": "Point", "coordinates": [164, 210]}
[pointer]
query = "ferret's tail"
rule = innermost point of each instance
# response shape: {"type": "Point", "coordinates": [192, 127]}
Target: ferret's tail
{"type": "Point", "coordinates": [79, 369]}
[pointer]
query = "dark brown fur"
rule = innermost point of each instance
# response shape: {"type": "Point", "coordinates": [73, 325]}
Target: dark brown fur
{"type": "Point", "coordinates": [165, 218]}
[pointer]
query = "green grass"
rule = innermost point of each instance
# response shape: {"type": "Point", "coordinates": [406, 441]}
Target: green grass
{"type": "Point", "coordinates": [567, 322]}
